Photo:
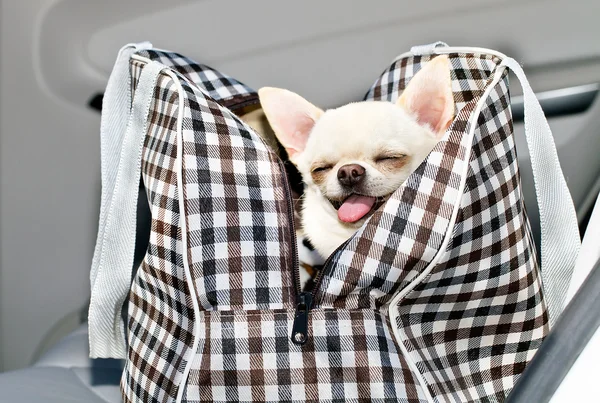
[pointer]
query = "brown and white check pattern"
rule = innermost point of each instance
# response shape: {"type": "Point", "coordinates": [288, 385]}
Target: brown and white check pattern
{"type": "Point", "coordinates": [242, 271]}
{"type": "Point", "coordinates": [161, 316]}
{"type": "Point", "coordinates": [228, 91]}
{"type": "Point", "coordinates": [395, 245]}
{"type": "Point", "coordinates": [470, 73]}
{"type": "Point", "coordinates": [469, 327]}
{"type": "Point", "coordinates": [247, 356]}
{"type": "Point", "coordinates": [239, 233]}
{"type": "Point", "coordinates": [476, 321]}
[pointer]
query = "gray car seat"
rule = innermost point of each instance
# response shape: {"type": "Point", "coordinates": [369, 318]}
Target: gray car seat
{"type": "Point", "coordinates": [65, 373]}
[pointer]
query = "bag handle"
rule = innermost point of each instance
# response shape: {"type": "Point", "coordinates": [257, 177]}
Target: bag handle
{"type": "Point", "coordinates": [123, 129]}
{"type": "Point", "coordinates": [560, 239]}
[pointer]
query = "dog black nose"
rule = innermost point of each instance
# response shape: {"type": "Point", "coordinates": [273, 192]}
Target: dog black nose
{"type": "Point", "coordinates": [351, 174]}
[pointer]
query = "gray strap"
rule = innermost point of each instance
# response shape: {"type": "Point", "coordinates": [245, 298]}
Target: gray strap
{"type": "Point", "coordinates": [122, 159]}
{"type": "Point", "coordinates": [116, 107]}
{"type": "Point", "coordinates": [558, 221]}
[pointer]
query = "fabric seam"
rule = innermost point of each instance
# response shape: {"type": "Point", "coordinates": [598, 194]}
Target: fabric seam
{"type": "Point", "coordinates": [183, 223]}
{"type": "Point", "coordinates": [392, 310]}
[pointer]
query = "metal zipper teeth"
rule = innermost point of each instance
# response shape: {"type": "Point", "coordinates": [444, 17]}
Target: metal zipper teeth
{"type": "Point", "coordinates": [305, 304]}
{"type": "Point", "coordinates": [290, 205]}
{"type": "Point", "coordinates": [327, 267]}
{"type": "Point", "coordinates": [301, 316]}
{"type": "Point", "coordinates": [295, 262]}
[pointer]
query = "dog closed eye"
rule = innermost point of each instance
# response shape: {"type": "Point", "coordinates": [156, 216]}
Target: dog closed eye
{"type": "Point", "coordinates": [390, 158]}
{"type": "Point", "coordinates": [319, 173]}
{"type": "Point", "coordinates": [321, 169]}
{"type": "Point", "coordinates": [392, 162]}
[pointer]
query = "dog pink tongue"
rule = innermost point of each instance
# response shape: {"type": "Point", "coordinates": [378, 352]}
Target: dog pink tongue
{"type": "Point", "coordinates": [355, 207]}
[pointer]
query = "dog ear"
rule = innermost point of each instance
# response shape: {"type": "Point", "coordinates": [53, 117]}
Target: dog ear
{"type": "Point", "coordinates": [428, 96]}
{"type": "Point", "coordinates": [291, 117]}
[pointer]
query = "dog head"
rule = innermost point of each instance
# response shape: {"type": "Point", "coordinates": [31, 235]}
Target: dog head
{"type": "Point", "coordinates": [355, 156]}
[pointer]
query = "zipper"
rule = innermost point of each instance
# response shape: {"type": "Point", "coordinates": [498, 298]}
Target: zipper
{"type": "Point", "coordinates": [305, 303]}
{"type": "Point", "coordinates": [304, 300]}
{"type": "Point", "coordinates": [288, 197]}
{"type": "Point", "coordinates": [300, 326]}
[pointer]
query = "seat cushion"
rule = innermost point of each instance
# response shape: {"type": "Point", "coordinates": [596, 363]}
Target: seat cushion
{"type": "Point", "coordinates": [59, 385]}
{"type": "Point", "coordinates": [65, 373]}
{"type": "Point", "coordinates": [73, 352]}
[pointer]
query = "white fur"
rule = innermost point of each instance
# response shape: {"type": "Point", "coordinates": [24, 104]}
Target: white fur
{"type": "Point", "coordinates": [356, 133]}
{"type": "Point", "coordinates": [359, 133]}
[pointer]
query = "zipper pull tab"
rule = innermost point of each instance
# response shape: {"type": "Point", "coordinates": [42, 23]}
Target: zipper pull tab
{"type": "Point", "coordinates": [300, 326]}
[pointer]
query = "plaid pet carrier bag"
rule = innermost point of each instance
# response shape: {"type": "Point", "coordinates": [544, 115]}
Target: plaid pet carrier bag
{"type": "Point", "coordinates": [437, 298]}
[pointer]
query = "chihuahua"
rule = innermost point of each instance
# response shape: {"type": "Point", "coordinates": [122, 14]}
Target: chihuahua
{"type": "Point", "coordinates": [354, 157]}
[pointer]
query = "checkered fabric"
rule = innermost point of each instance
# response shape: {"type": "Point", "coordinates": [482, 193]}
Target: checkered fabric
{"type": "Point", "coordinates": [247, 356]}
{"type": "Point", "coordinates": [239, 223]}
{"type": "Point", "coordinates": [479, 317]}
{"type": "Point", "coordinates": [226, 90]}
{"type": "Point", "coordinates": [396, 244]}
{"type": "Point", "coordinates": [475, 321]}
{"type": "Point", "coordinates": [469, 326]}
{"type": "Point", "coordinates": [160, 317]}
{"type": "Point", "coordinates": [470, 73]}
{"type": "Point", "coordinates": [237, 211]}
